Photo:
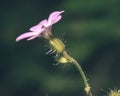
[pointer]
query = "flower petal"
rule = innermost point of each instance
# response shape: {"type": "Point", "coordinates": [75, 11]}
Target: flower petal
{"type": "Point", "coordinates": [44, 26]}
{"type": "Point", "coordinates": [31, 38]}
{"type": "Point", "coordinates": [38, 26]}
{"type": "Point", "coordinates": [54, 17]}
{"type": "Point", "coordinates": [25, 35]}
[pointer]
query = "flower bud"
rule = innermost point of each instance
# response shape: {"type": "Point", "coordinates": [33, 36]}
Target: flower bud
{"type": "Point", "coordinates": [62, 60]}
{"type": "Point", "coordinates": [114, 93]}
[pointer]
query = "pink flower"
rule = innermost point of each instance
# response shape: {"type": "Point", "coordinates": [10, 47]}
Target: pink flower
{"type": "Point", "coordinates": [42, 28]}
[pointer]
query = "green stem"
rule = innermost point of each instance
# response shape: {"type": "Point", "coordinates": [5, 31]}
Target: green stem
{"type": "Point", "coordinates": [86, 84]}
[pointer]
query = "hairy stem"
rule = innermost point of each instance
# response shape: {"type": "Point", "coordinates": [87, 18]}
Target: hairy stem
{"type": "Point", "coordinates": [79, 68]}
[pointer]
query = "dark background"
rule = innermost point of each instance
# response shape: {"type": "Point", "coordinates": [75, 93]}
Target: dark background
{"type": "Point", "coordinates": [91, 32]}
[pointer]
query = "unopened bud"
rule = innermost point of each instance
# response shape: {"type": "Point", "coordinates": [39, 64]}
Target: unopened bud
{"type": "Point", "coordinates": [62, 60]}
{"type": "Point", "coordinates": [114, 93]}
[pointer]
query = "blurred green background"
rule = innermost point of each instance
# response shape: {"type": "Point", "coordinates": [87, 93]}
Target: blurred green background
{"type": "Point", "coordinates": [91, 32]}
